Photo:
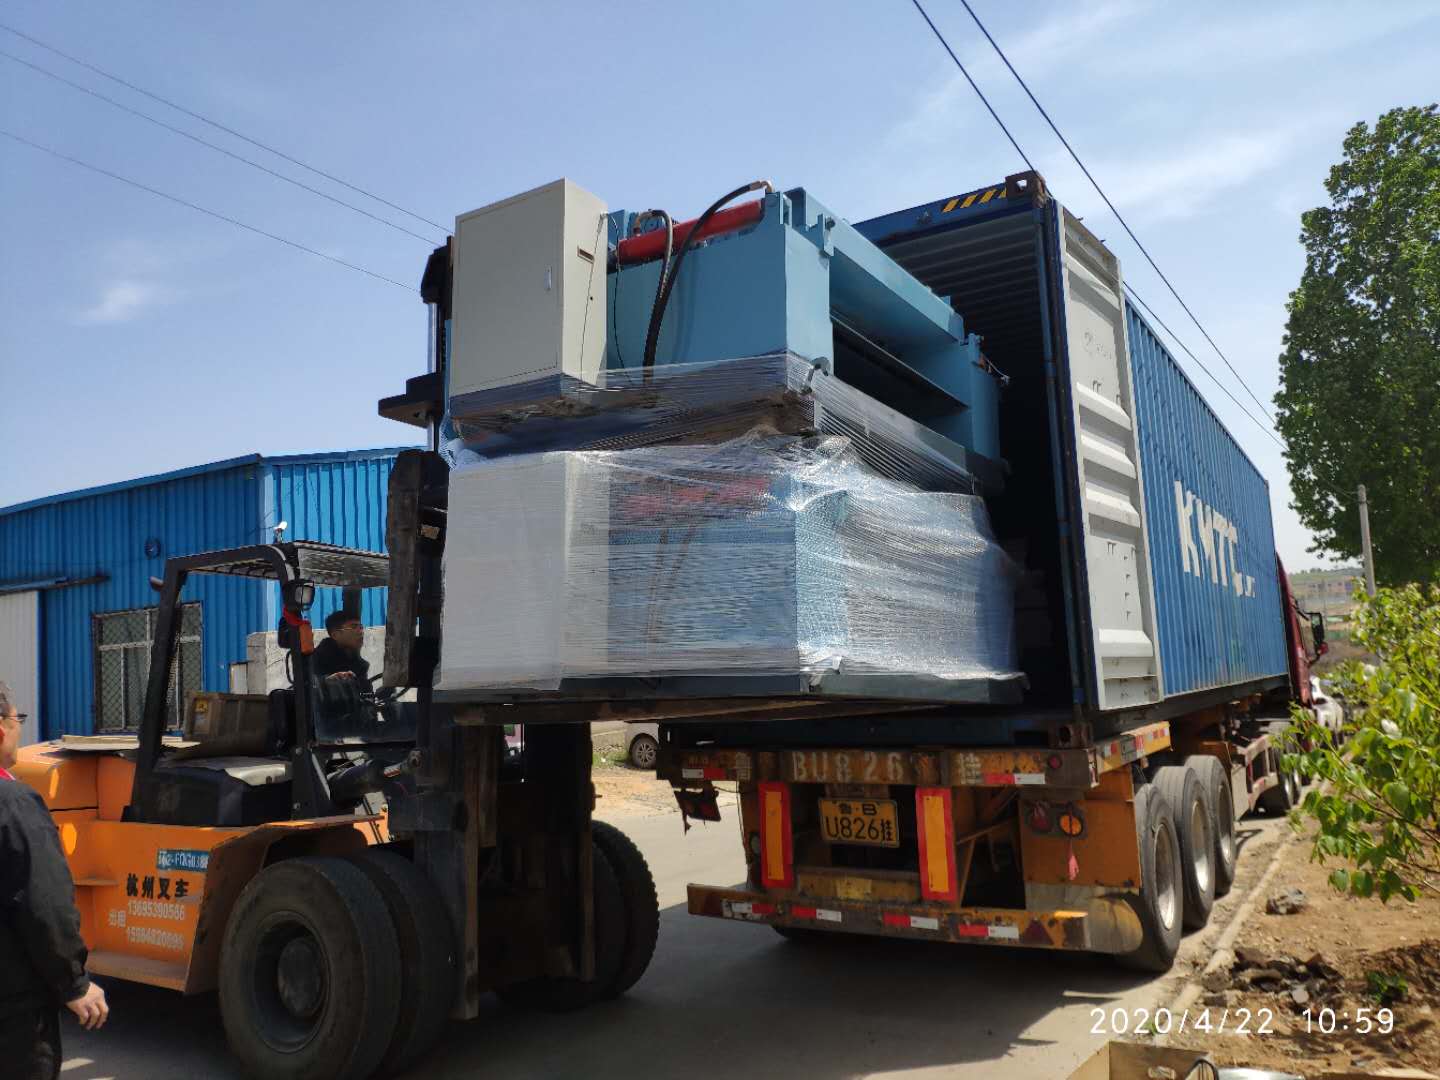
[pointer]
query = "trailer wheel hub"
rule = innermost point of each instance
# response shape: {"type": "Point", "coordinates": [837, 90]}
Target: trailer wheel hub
{"type": "Point", "coordinates": [1167, 879]}
{"type": "Point", "coordinates": [298, 978]}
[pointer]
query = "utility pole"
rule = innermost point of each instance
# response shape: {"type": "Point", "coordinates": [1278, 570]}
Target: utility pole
{"type": "Point", "coordinates": [1365, 542]}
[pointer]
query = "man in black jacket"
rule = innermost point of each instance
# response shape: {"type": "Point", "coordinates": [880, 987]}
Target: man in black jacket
{"type": "Point", "coordinates": [339, 654]}
{"type": "Point", "coordinates": [42, 956]}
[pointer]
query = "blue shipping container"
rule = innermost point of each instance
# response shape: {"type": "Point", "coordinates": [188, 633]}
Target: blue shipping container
{"type": "Point", "coordinates": [1212, 544]}
{"type": "Point", "coordinates": [1153, 561]}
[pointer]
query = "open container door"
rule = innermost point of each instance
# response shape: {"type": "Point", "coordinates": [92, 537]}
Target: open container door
{"type": "Point", "coordinates": [1099, 437]}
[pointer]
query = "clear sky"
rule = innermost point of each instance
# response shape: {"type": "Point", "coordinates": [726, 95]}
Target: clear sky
{"type": "Point", "coordinates": [138, 336]}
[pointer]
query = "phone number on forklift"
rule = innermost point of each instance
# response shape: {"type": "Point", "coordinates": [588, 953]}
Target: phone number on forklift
{"type": "Point", "coordinates": [1162, 1021]}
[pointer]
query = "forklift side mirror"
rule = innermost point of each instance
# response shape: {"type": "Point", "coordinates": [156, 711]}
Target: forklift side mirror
{"type": "Point", "coordinates": [158, 584]}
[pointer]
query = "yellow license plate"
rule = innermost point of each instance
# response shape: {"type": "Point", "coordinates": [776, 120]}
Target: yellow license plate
{"type": "Point", "coordinates": [860, 821]}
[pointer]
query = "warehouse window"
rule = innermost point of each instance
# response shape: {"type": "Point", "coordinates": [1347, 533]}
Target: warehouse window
{"type": "Point", "coordinates": [122, 665]}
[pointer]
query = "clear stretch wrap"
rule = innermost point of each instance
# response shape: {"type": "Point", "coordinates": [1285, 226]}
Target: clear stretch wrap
{"type": "Point", "coordinates": [711, 403]}
{"type": "Point", "coordinates": [767, 554]}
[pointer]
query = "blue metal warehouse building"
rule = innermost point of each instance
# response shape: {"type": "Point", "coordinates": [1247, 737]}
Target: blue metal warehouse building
{"type": "Point", "coordinates": [76, 607]}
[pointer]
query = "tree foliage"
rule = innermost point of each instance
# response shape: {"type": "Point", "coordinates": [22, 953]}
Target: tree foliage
{"type": "Point", "coordinates": [1379, 808]}
{"type": "Point", "coordinates": [1359, 398]}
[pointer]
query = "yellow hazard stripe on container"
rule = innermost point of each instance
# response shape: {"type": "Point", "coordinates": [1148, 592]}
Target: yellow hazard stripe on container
{"type": "Point", "coordinates": [983, 196]}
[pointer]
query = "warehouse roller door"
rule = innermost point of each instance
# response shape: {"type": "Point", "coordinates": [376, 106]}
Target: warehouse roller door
{"type": "Point", "coordinates": [20, 657]}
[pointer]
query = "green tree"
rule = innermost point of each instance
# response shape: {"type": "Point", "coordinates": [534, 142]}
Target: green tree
{"type": "Point", "coordinates": [1378, 811]}
{"type": "Point", "coordinates": [1359, 399]}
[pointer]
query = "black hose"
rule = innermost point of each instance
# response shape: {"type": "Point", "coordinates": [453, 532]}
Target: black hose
{"type": "Point", "coordinates": [664, 263]}
{"type": "Point", "coordinates": [667, 281]}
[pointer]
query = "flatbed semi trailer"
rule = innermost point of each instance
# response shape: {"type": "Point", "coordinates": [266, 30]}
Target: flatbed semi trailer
{"type": "Point", "coordinates": [1077, 847]}
{"type": "Point", "coordinates": [1161, 648]}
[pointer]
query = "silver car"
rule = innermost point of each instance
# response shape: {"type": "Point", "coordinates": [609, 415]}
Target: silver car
{"type": "Point", "coordinates": [642, 745]}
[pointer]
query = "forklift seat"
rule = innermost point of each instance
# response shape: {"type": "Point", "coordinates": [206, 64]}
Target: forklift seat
{"type": "Point", "coordinates": [221, 791]}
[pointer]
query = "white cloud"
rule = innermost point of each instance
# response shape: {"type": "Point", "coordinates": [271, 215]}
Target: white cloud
{"type": "Point", "coordinates": [1192, 175]}
{"type": "Point", "coordinates": [941, 111]}
{"type": "Point", "coordinates": [123, 300]}
{"type": "Point", "coordinates": [1199, 42]}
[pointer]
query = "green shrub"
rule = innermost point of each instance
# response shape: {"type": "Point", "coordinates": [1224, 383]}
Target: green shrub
{"type": "Point", "coordinates": [1377, 808]}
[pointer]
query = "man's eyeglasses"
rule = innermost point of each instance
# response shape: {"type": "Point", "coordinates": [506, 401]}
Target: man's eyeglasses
{"type": "Point", "coordinates": [19, 716]}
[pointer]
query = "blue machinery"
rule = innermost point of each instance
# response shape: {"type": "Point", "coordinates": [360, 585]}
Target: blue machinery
{"type": "Point", "coordinates": [796, 278]}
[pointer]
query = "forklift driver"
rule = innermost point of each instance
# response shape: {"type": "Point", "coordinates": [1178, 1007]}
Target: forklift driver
{"type": "Point", "coordinates": [338, 656]}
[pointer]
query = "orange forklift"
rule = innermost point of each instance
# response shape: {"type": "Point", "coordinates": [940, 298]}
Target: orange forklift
{"type": "Point", "coordinates": [348, 869]}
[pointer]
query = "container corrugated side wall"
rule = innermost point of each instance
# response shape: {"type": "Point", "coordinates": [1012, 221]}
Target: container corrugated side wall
{"type": "Point", "coordinates": [1212, 541]}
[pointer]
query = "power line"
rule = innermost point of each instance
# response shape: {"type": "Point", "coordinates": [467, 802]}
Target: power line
{"type": "Point", "coordinates": [1132, 292]}
{"type": "Point", "coordinates": [1268, 430]}
{"type": "Point", "coordinates": [428, 241]}
{"type": "Point", "coordinates": [1118, 216]}
{"type": "Point", "coordinates": [1223, 388]}
{"type": "Point", "coordinates": [203, 210]}
{"type": "Point", "coordinates": [216, 124]}
{"type": "Point", "coordinates": [978, 93]}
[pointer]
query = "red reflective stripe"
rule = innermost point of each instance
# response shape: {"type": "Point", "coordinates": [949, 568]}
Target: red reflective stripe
{"type": "Point", "coordinates": [714, 772]}
{"type": "Point", "coordinates": [762, 909]}
{"type": "Point", "coordinates": [803, 912]}
{"type": "Point", "coordinates": [902, 921]}
{"type": "Point", "coordinates": [996, 779]}
{"type": "Point", "coordinates": [941, 846]}
{"type": "Point", "coordinates": [769, 791]}
{"type": "Point", "coordinates": [972, 929]}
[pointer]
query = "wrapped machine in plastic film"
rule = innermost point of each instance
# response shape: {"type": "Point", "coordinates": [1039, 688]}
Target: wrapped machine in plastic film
{"type": "Point", "coordinates": [709, 402]}
{"type": "Point", "coordinates": [767, 554]}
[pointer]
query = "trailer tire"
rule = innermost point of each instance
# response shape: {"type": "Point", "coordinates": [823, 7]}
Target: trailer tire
{"type": "Point", "coordinates": [301, 931]}
{"type": "Point", "coordinates": [1194, 808]}
{"type": "Point", "coordinates": [1279, 799]}
{"type": "Point", "coordinates": [1160, 902]}
{"type": "Point", "coordinates": [561, 994]}
{"type": "Point", "coordinates": [642, 904]}
{"type": "Point", "coordinates": [1215, 779]}
{"type": "Point", "coordinates": [427, 954]}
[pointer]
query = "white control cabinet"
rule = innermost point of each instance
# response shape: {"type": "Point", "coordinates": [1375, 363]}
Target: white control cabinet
{"type": "Point", "coordinates": [529, 290]}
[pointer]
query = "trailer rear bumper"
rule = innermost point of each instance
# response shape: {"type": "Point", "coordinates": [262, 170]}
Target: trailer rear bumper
{"type": "Point", "coordinates": [1062, 929]}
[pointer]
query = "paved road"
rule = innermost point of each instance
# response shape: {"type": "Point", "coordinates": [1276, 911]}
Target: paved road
{"type": "Point", "coordinates": [722, 995]}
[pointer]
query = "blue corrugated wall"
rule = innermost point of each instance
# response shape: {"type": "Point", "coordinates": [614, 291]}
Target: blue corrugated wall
{"type": "Point", "coordinates": [1198, 481]}
{"type": "Point", "coordinates": [336, 498]}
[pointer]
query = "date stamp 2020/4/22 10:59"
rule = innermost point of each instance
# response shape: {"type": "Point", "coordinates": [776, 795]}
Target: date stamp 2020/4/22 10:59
{"type": "Point", "coordinates": [1236, 1021]}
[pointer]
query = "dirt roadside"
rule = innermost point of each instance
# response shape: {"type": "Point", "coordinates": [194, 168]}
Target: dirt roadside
{"type": "Point", "coordinates": [1335, 953]}
{"type": "Point", "coordinates": [625, 791]}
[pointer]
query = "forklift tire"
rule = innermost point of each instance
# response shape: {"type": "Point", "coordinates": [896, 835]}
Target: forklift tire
{"type": "Point", "coordinates": [427, 954]}
{"type": "Point", "coordinates": [1160, 902]}
{"type": "Point", "coordinates": [642, 904]}
{"type": "Point", "coordinates": [309, 972]}
{"type": "Point", "coordinates": [1194, 807]}
{"type": "Point", "coordinates": [561, 994]}
{"type": "Point", "coordinates": [1214, 779]}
